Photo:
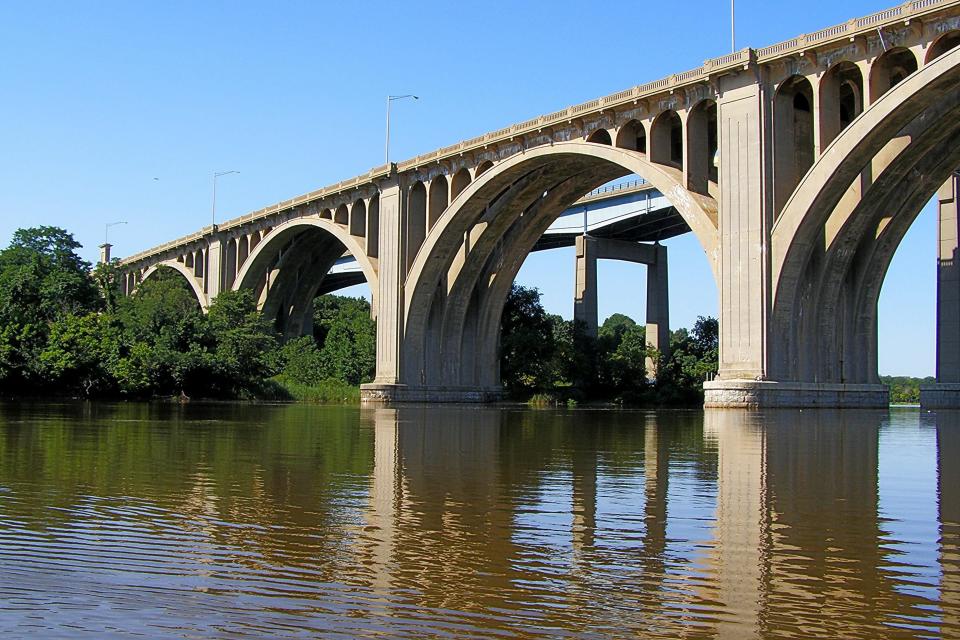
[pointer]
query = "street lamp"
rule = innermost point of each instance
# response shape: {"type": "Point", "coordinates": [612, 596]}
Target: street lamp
{"type": "Point", "coordinates": [106, 230]}
{"type": "Point", "coordinates": [105, 247]}
{"type": "Point", "coordinates": [213, 211]}
{"type": "Point", "coordinates": [389, 100]}
{"type": "Point", "coordinates": [733, 28]}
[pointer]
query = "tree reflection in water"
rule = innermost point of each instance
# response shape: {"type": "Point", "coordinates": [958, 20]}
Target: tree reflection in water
{"type": "Point", "coordinates": [212, 519]}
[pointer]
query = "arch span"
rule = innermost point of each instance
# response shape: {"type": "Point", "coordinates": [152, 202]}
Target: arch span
{"type": "Point", "coordinates": [285, 232]}
{"type": "Point", "coordinates": [300, 252]}
{"type": "Point", "coordinates": [184, 271]}
{"type": "Point", "coordinates": [832, 244]}
{"type": "Point", "coordinates": [455, 290]}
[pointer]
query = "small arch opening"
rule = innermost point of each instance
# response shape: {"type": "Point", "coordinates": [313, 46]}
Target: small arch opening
{"type": "Point", "coordinates": [483, 166]}
{"type": "Point", "coordinates": [632, 136]}
{"type": "Point", "coordinates": [600, 136]}
{"type": "Point", "coordinates": [793, 136]}
{"type": "Point", "coordinates": [341, 215]}
{"type": "Point", "coordinates": [459, 182]}
{"type": "Point", "coordinates": [358, 218]}
{"type": "Point", "coordinates": [439, 192]}
{"type": "Point", "coordinates": [373, 226]}
{"type": "Point", "coordinates": [198, 259]}
{"type": "Point", "coordinates": [943, 44]}
{"type": "Point", "coordinates": [841, 99]}
{"type": "Point", "coordinates": [230, 268]}
{"type": "Point", "coordinates": [889, 70]}
{"type": "Point", "coordinates": [243, 250]}
{"type": "Point", "coordinates": [702, 166]}
{"type": "Point", "coordinates": [416, 220]}
{"type": "Point", "coordinates": [667, 139]}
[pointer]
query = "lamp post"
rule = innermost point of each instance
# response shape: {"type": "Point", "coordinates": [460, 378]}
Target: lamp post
{"type": "Point", "coordinates": [733, 29]}
{"type": "Point", "coordinates": [389, 100]}
{"type": "Point", "coordinates": [213, 211]}
{"type": "Point", "coordinates": [105, 247]}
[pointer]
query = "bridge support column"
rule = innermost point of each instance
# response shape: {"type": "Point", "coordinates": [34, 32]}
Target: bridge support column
{"type": "Point", "coordinates": [658, 308]}
{"type": "Point", "coordinates": [585, 291]}
{"type": "Point", "coordinates": [654, 256]}
{"type": "Point", "coordinates": [945, 393]}
{"type": "Point", "coordinates": [213, 274]}
{"type": "Point", "coordinates": [744, 119]}
{"type": "Point", "coordinates": [390, 297]}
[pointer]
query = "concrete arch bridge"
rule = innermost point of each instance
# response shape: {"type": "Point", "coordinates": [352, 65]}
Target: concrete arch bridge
{"type": "Point", "coordinates": [798, 167]}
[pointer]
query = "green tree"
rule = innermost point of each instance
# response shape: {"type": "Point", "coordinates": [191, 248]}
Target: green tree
{"type": "Point", "coordinates": [303, 361]}
{"type": "Point", "coordinates": [526, 342]}
{"type": "Point", "coordinates": [246, 345]}
{"type": "Point", "coordinates": [627, 365]}
{"type": "Point", "coordinates": [81, 354]}
{"type": "Point", "coordinates": [694, 355]}
{"type": "Point", "coordinates": [614, 327]}
{"type": "Point", "coordinates": [348, 338]}
{"type": "Point", "coordinates": [168, 344]}
{"type": "Point", "coordinates": [42, 280]}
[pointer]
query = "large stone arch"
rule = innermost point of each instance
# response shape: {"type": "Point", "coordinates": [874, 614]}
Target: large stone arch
{"type": "Point", "coordinates": [187, 274]}
{"type": "Point", "coordinates": [300, 268]}
{"type": "Point", "coordinates": [504, 212]}
{"type": "Point", "coordinates": [285, 232]}
{"type": "Point", "coordinates": [831, 223]}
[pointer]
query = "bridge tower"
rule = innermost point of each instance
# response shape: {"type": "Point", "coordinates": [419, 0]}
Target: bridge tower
{"type": "Point", "coordinates": [946, 392]}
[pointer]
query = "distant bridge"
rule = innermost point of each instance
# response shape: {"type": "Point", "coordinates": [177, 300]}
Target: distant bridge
{"type": "Point", "coordinates": [798, 167]}
{"type": "Point", "coordinates": [630, 211]}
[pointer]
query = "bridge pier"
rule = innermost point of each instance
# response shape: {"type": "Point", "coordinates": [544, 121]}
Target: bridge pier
{"type": "Point", "coordinates": [945, 393]}
{"type": "Point", "coordinates": [585, 310]}
{"type": "Point", "coordinates": [752, 371]}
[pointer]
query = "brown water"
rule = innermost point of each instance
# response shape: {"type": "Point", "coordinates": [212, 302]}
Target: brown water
{"type": "Point", "coordinates": [229, 521]}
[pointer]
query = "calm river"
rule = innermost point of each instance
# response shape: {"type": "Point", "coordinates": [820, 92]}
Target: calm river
{"type": "Point", "coordinates": [210, 521]}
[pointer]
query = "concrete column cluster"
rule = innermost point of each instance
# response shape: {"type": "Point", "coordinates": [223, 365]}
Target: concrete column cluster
{"type": "Point", "coordinates": [946, 392]}
{"type": "Point", "coordinates": [590, 249]}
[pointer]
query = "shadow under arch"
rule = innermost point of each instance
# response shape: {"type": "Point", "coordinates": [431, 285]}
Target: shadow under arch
{"type": "Point", "coordinates": [183, 270]}
{"type": "Point", "coordinates": [831, 245]}
{"type": "Point", "coordinates": [504, 212]}
{"type": "Point", "coordinates": [302, 251]}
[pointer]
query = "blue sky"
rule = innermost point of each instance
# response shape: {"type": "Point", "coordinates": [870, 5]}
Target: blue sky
{"type": "Point", "coordinates": [100, 98]}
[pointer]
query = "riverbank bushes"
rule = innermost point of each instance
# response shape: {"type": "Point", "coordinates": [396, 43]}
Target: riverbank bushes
{"type": "Point", "coordinates": [65, 331]}
{"type": "Point", "coordinates": [549, 360]}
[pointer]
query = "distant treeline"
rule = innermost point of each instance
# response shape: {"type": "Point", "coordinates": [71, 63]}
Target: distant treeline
{"type": "Point", "coordinates": [65, 330]}
{"type": "Point", "coordinates": [904, 389]}
{"type": "Point", "coordinates": [549, 359]}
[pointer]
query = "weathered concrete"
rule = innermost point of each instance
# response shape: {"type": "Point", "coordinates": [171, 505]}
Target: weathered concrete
{"type": "Point", "coordinates": [379, 392]}
{"type": "Point", "coordinates": [941, 395]}
{"type": "Point", "coordinates": [754, 394]}
{"type": "Point", "coordinates": [585, 306]}
{"type": "Point", "coordinates": [945, 394]}
{"type": "Point", "coordinates": [798, 167]}
{"type": "Point", "coordinates": [948, 283]}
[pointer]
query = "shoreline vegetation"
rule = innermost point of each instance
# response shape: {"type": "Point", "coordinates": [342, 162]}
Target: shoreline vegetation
{"type": "Point", "coordinates": [67, 332]}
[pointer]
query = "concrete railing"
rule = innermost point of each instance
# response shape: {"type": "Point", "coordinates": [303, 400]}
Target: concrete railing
{"type": "Point", "coordinates": [713, 66]}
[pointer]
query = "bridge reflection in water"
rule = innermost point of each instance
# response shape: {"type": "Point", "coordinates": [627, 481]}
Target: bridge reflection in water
{"type": "Point", "coordinates": [479, 522]}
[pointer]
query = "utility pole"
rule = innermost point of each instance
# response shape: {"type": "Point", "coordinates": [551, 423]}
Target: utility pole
{"type": "Point", "coordinates": [386, 152]}
{"type": "Point", "coordinates": [733, 28]}
{"type": "Point", "coordinates": [213, 211]}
